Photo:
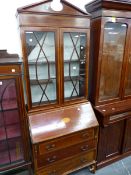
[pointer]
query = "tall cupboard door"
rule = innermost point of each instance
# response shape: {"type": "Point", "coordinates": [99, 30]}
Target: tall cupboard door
{"type": "Point", "coordinates": [110, 141]}
{"type": "Point", "coordinates": [112, 60]}
{"type": "Point", "coordinates": [41, 67]}
{"type": "Point", "coordinates": [127, 87]}
{"type": "Point", "coordinates": [11, 133]}
{"type": "Point", "coordinates": [74, 54]}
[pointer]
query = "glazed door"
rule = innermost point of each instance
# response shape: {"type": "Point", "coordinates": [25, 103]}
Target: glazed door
{"type": "Point", "coordinates": [127, 90]}
{"type": "Point", "coordinates": [41, 67]}
{"type": "Point", "coordinates": [11, 144]}
{"type": "Point", "coordinates": [75, 50]}
{"type": "Point", "coordinates": [112, 60]}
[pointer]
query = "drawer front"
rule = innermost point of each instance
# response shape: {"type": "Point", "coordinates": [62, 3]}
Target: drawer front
{"type": "Point", "coordinates": [66, 141]}
{"type": "Point", "coordinates": [55, 156]}
{"type": "Point", "coordinates": [70, 165]}
{"type": "Point", "coordinates": [13, 69]}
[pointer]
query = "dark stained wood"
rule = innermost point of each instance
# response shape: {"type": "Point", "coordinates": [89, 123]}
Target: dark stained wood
{"type": "Point", "coordinates": [127, 140]}
{"type": "Point", "coordinates": [114, 113]}
{"type": "Point", "coordinates": [64, 134]}
{"type": "Point", "coordinates": [42, 125]}
{"type": "Point", "coordinates": [4, 55]}
{"type": "Point", "coordinates": [6, 69]}
{"type": "Point", "coordinates": [110, 146]}
{"type": "Point", "coordinates": [121, 5]}
{"type": "Point", "coordinates": [37, 17]}
{"type": "Point", "coordinates": [61, 134]}
{"type": "Point", "coordinates": [52, 157]}
{"type": "Point", "coordinates": [52, 21]}
{"type": "Point", "coordinates": [45, 7]}
{"type": "Point", "coordinates": [54, 144]}
{"type": "Point", "coordinates": [70, 164]}
{"type": "Point", "coordinates": [94, 61]}
{"type": "Point", "coordinates": [10, 69]}
{"type": "Point", "coordinates": [6, 58]}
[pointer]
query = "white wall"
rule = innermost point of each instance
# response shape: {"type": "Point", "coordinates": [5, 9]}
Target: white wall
{"type": "Point", "coordinates": [9, 36]}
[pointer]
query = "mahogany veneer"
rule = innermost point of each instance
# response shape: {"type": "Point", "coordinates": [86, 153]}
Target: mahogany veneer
{"type": "Point", "coordinates": [110, 77]}
{"type": "Point", "coordinates": [55, 47]}
{"type": "Point", "coordinates": [64, 140]}
{"type": "Point", "coordinates": [14, 140]}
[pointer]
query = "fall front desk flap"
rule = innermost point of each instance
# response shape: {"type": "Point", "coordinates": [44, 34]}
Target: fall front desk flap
{"type": "Point", "coordinates": [62, 121]}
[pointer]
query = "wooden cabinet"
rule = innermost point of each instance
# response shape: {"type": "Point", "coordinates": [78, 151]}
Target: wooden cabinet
{"type": "Point", "coordinates": [109, 87]}
{"type": "Point", "coordinates": [64, 139]}
{"type": "Point", "coordinates": [111, 145]}
{"type": "Point", "coordinates": [55, 49]}
{"type": "Point", "coordinates": [127, 141]}
{"type": "Point", "coordinates": [14, 148]}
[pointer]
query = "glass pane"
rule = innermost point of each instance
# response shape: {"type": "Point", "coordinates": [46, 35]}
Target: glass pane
{"type": "Point", "coordinates": [16, 151]}
{"type": "Point", "coordinates": [112, 58]}
{"type": "Point", "coordinates": [42, 69]}
{"type": "Point", "coordinates": [9, 123]}
{"type": "Point", "coordinates": [4, 154]}
{"type": "Point", "coordinates": [74, 64]}
{"type": "Point", "coordinates": [128, 80]}
{"type": "Point", "coordinates": [8, 94]}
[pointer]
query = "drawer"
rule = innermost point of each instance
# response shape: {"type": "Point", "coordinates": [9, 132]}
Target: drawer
{"type": "Point", "coordinates": [66, 141]}
{"type": "Point", "coordinates": [49, 158]}
{"type": "Point", "coordinates": [69, 165]}
{"type": "Point", "coordinates": [13, 69]}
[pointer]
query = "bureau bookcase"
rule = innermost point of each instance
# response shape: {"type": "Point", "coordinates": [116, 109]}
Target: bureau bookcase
{"type": "Point", "coordinates": [63, 127]}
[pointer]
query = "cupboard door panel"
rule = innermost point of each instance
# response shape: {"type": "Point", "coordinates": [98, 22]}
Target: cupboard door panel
{"type": "Point", "coordinates": [75, 54]}
{"type": "Point", "coordinates": [40, 49]}
{"type": "Point", "coordinates": [110, 141]}
{"type": "Point", "coordinates": [128, 77]}
{"type": "Point", "coordinates": [74, 64]}
{"type": "Point", "coordinates": [11, 146]}
{"type": "Point", "coordinates": [112, 60]}
{"type": "Point", "coordinates": [127, 142]}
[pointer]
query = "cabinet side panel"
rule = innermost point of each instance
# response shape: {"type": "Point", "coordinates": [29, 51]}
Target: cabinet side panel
{"type": "Point", "coordinates": [93, 62]}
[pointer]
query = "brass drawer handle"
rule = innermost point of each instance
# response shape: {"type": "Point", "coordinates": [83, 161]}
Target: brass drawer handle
{"type": "Point", "coordinates": [83, 160]}
{"type": "Point", "coordinates": [85, 135]}
{"type": "Point", "coordinates": [50, 147]}
{"type": "Point", "coordinates": [52, 172]}
{"type": "Point", "coordinates": [53, 159]}
{"type": "Point", "coordinates": [84, 148]}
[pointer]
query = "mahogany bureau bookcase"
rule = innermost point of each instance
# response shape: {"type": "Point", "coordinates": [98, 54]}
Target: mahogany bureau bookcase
{"type": "Point", "coordinates": [110, 76]}
{"type": "Point", "coordinates": [14, 140]}
{"type": "Point", "coordinates": [63, 127]}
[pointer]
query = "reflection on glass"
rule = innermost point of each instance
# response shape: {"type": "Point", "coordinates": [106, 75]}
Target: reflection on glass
{"type": "Point", "coordinates": [113, 53]}
{"type": "Point", "coordinates": [128, 80]}
{"type": "Point", "coordinates": [42, 71]}
{"type": "Point", "coordinates": [74, 64]}
{"type": "Point", "coordinates": [11, 148]}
